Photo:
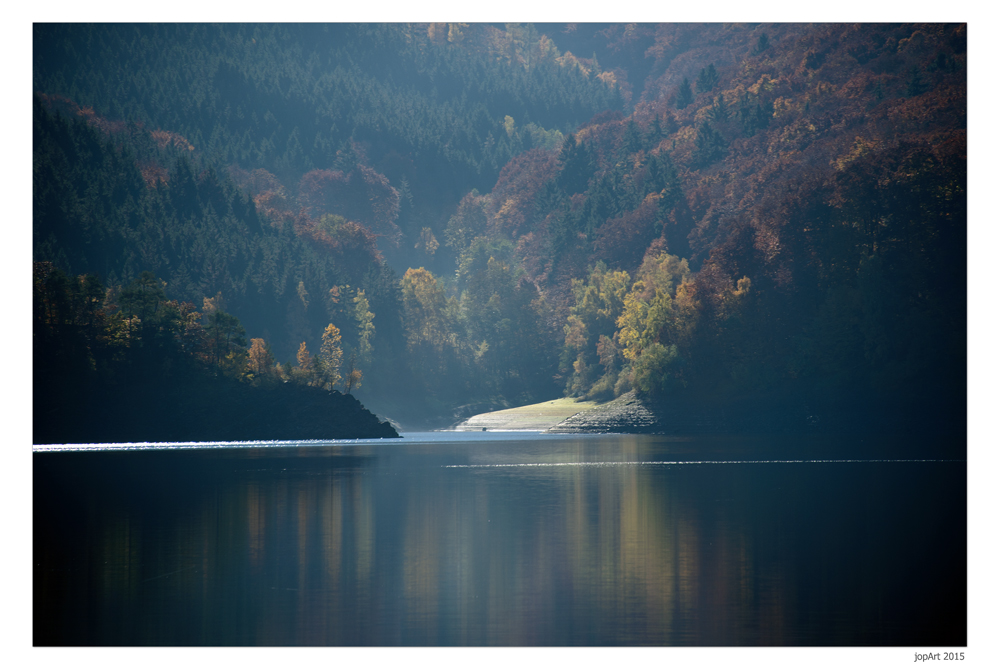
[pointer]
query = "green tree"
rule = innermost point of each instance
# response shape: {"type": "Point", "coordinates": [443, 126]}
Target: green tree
{"type": "Point", "coordinates": [707, 79]}
{"type": "Point", "coordinates": [684, 96]}
{"type": "Point", "coordinates": [752, 116]}
{"type": "Point", "coordinates": [709, 145]}
{"type": "Point", "coordinates": [470, 221]}
{"type": "Point", "coordinates": [140, 302]}
{"type": "Point", "coordinates": [590, 329]}
{"type": "Point", "coordinates": [655, 370]}
{"type": "Point", "coordinates": [655, 131]}
{"type": "Point", "coordinates": [763, 44]}
{"type": "Point", "coordinates": [631, 139]}
{"type": "Point", "coordinates": [577, 166]}
{"type": "Point", "coordinates": [226, 338]}
{"type": "Point", "coordinates": [142, 296]}
{"type": "Point", "coordinates": [719, 112]}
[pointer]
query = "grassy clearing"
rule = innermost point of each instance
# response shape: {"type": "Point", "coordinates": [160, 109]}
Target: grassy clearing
{"type": "Point", "coordinates": [532, 417]}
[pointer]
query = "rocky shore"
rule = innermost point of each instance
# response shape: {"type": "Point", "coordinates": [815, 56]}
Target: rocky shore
{"type": "Point", "coordinates": [772, 414]}
{"type": "Point", "coordinates": [628, 414]}
{"type": "Point", "coordinates": [632, 414]}
{"type": "Point", "coordinates": [625, 415]}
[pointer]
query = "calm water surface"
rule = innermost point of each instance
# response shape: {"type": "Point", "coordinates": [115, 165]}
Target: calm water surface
{"type": "Point", "coordinates": [501, 539]}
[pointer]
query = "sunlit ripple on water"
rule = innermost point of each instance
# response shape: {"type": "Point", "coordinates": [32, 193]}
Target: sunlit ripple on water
{"type": "Point", "coordinates": [198, 445]}
{"type": "Point", "coordinates": [680, 463]}
{"type": "Point", "coordinates": [435, 437]}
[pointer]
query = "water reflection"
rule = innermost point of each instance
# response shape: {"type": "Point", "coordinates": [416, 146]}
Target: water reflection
{"type": "Point", "coordinates": [451, 542]}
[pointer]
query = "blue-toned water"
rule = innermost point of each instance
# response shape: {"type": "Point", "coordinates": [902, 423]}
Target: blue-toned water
{"type": "Point", "coordinates": [493, 538]}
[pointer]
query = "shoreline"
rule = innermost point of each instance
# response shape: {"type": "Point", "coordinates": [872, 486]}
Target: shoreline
{"type": "Point", "coordinates": [626, 414]}
{"type": "Point", "coordinates": [632, 414]}
{"type": "Point", "coordinates": [540, 417]}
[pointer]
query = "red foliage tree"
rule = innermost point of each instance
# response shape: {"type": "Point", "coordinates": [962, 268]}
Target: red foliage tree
{"type": "Point", "coordinates": [363, 196]}
{"type": "Point", "coordinates": [622, 241]}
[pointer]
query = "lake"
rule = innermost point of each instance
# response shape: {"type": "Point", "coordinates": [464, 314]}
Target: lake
{"type": "Point", "coordinates": [502, 539]}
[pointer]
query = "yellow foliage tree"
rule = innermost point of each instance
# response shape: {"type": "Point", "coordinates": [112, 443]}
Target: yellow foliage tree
{"type": "Point", "coordinates": [632, 322]}
{"type": "Point", "coordinates": [427, 241]}
{"type": "Point", "coordinates": [662, 272]}
{"type": "Point", "coordinates": [260, 362]}
{"type": "Point", "coordinates": [598, 304]}
{"type": "Point", "coordinates": [305, 372]}
{"type": "Point", "coordinates": [437, 32]}
{"type": "Point", "coordinates": [352, 375]}
{"type": "Point", "coordinates": [455, 34]}
{"type": "Point", "coordinates": [431, 321]}
{"type": "Point", "coordinates": [366, 326]}
{"type": "Point", "coordinates": [659, 312]}
{"type": "Point", "coordinates": [330, 357]}
{"type": "Point", "coordinates": [425, 304]}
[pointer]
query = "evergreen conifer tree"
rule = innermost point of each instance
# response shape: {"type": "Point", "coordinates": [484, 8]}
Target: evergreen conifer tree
{"type": "Point", "coordinates": [762, 44]}
{"type": "Point", "coordinates": [577, 166]}
{"type": "Point", "coordinates": [631, 139]}
{"type": "Point", "coordinates": [707, 79]}
{"type": "Point", "coordinates": [655, 131]}
{"type": "Point", "coordinates": [684, 95]}
{"type": "Point", "coordinates": [719, 113]}
{"type": "Point", "coordinates": [710, 145]}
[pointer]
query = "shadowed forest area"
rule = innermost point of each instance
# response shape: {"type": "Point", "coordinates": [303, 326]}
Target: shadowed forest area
{"type": "Point", "coordinates": [444, 219]}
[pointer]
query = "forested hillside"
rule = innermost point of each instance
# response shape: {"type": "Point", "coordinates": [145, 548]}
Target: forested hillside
{"type": "Point", "coordinates": [705, 213]}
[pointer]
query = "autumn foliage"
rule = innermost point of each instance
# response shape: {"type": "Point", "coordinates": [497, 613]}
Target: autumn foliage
{"type": "Point", "coordinates": [695, 212]}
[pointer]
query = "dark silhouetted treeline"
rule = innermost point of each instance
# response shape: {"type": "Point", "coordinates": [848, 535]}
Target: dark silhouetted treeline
{"type": "Point", "coordinates": [128, 365]}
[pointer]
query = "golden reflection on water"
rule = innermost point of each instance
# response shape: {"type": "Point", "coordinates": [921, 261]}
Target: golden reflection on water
{"type": "Point", "coordinates": [405, 550]}
{"type": "Point", "coordinates": [468, 562]}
